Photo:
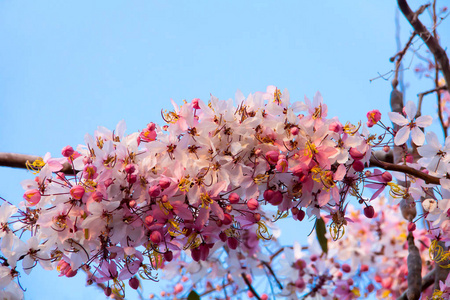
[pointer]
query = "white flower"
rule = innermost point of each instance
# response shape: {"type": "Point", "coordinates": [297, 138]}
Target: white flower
{"type": "Point", "coordinates": [410, 125]}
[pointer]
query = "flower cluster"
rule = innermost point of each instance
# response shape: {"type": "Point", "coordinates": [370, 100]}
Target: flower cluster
{"type": "Point", "coordinates": [133, 203]}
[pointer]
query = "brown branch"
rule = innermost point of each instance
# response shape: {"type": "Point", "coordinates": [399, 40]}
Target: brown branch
{"type": "Point", "coordinates": [427, 281]}
{"type": "Point", "coordinates": [374, 162]}
{"type": "Point", "coordinates": [15, 160]}
{"type": "Point", "coordinates": [431, 42]}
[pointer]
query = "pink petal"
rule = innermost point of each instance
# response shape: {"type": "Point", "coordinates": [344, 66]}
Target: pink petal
{"type": "Point", "coordinates": [417, 136]}
{"type": "Point", "coordinates": [402, 135]}
{"type": "Point", "coordinates": [397, 118]}
{"type": "Point", "coordinates": [424, 121]}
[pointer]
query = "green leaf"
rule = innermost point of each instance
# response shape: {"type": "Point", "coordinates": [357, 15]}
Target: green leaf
{"type": "Point", "coordinates": [320, 232]}
{"type": "Point", "coordinates": [193, 296]}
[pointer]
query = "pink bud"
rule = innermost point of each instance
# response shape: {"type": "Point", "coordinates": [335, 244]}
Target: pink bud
{"type": "Point", "coordinates": [195, 103]}
{"type": "Point", "coordinates": [77, 192]}
{"type": "Point", "coordinates": [195, 254]}
{"type": "Point", "coordinates": [232, 242]}
{"type": "Point", "coordinates": [233, 198]}
{"type": "Point", "coordinates": [387, 177]}
{"type": "Point", "coordinates": [346, 268]}
{"type": "Point", "coordinates": [178, 288]}
{"type": "Point", "coordinates": [257, 217]}
{"type": "Point", "coordinates": [276, 199]}
{"type": "Point", "coordinates": [168, 256]}
{"type": "Point", "coordinates": [108, 291]}
{"type": "Point", "coordinates": [148, 220]}
{"type": "Point", "coordinates": [164, 183]}
{"type": "Point", "coordinates": [223, 236]}
{"type": "Point", "coordinates": [364, 268]}
{"type": "Point", "coordinates": [204, 252]}
{"type": "Point", "coordinates": [151, 126]}
{"type": "Point", "coordinates": [134, 283]}
{"type": "Point", "coordinates": [252, 204]}
{"type": "Point", "coordinates": [227, 219]}
{"type": "Point", "coordinates": [97, 196]}
{"type": "Point", "coordinates": [301, 215]}
{"type": "Point", "coordinates": [294, 211]}
{"type": "Point", "coordinates": [386, 148]}
{"type": "Point", "coordinates": [32, 196]}
{"type": "Point", "coordinates": [67, 151]}
{"type": "Point", "coordinates": [264, 297]}
{"type": "Point", "coordinates": [350, 281]}
{"type": "Point", "coordinates": [369, 212]}
{"type": "Point", "coordinates": [156, 237]}
{"type": "Point", "coordinates": [294, 130]}
{"type": "Point", "coordinates": [300, 283]}
{"type": "Point", "coordinates": [154, 191]}
{"type": "Point", "coordinates": [130, 168]}
{"type": "Point", "coordinates": [370, 288]}
{"type": "Point", "coordinates": [272, 157]}
{"type": "Point", "coordinates": [131, 178]}
{"type": "Point", "coordinates": [358, 166]}
{"type": "Point", "coordinates": [411, 227]}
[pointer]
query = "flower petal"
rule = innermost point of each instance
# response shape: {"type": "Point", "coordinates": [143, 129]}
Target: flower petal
{"type": "Point", "coordinates": [402, 136]}
{"type": "Point", "coordinates": [424, 121]}
{"type": "Point", "coordinates": [417, 136]}
{"type": "Point", "coordinates": [397, 118]}
{"type": "Point", "coordinates": [410, 110]}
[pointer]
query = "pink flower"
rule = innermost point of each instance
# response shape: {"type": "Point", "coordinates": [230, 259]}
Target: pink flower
{"type": "Point", "coordinates": [373, 117]}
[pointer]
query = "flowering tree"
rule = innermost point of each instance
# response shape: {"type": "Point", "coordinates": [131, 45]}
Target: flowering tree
{"type": "Point", "coordinates": [193, 198]}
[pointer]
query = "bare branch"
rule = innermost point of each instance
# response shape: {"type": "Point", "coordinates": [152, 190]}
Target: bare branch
{"type": "Point", "coordinates": [431, 42]}
{"type": "Point", "coordinates": [15, 160]}
{"type": "Point", "coordinates": [427, 281]}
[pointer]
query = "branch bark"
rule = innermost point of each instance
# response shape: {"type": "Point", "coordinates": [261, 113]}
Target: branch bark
{"type": "Point", "coordinates": [16, 160]}
{"type": "Point", "coordinates": [431, 42]}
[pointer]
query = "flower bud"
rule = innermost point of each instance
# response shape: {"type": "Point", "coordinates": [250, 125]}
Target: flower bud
{"type": "Point", "coordinates": [134, 283]}
{"type": "Point", "coordinates": [252, 204]}
{"type": "Point", "coordinates": [227, 219]}
{"type": "Point", "coordinates": [164, 183]}
{"type": "Point", "coordinates": [195, 103]}
{"type": "Point", "coordinates": [156, 237]}
{"type": "Point", "coordinates": [223, 236]}
{"type": "Point", "coordinates": [294, 130]}
{"type": "Point", "coordinates": [358, 166]}
{"type": "Point", "coordinates": [364, 268]}
{"type": "Point", "coordinates": [272, 157]}
{"type": "Point", "coordinates": [300, 283]}
{"type": "Point", "coordinates": [233, 198]}
{"type": "Point", "coordinates": [108, 291]}
{"type": "Point", "coordinates": [178, 288]}
{"type": "Point", "coordinates": [130, 169]}
{"type": "Point", "coordinates": [168, 256]}
{"type": "Point", "coordinates": [97, 196]}
{"type": "Point", "coordinates": [369, 212]}
{"type": "Point", "coordinates": [232, 242]}
{"type": "Point", "coordinates": [148, 220]}
{"type": "Point", "coordinates": [154, 191]}
{"type": "Point", "coordinates": [346, 268]}
{"type": "Point", "coordinates": [301, 215]}
{"type": "Point", "coordinates": [195, 254]}
{"type": "Point", "coordinates": [131, 178]}
{"type": "Point", "coordinates": [67, 151]}
{"type": "Point", "coordinates": [387, 177]}
{"type": "Point", "coordinates": [411, 227]}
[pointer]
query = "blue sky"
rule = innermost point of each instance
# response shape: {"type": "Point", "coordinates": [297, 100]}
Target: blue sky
{"type": "Point", "coordinates": [67, 67]}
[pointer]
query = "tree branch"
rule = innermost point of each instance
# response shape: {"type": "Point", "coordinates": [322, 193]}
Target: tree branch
{"type": "Point", "coordinates": [427, 281]}
{"type": "Point", "coordinates": [15, 160]}
{"type": "Point", "coordinates": [374, 162]}
{"type": "Point", "coordinates": [431, 42]}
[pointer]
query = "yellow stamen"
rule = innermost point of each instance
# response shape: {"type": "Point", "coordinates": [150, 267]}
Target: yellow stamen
{"type": "Point", "coordinates": [36, 166]}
